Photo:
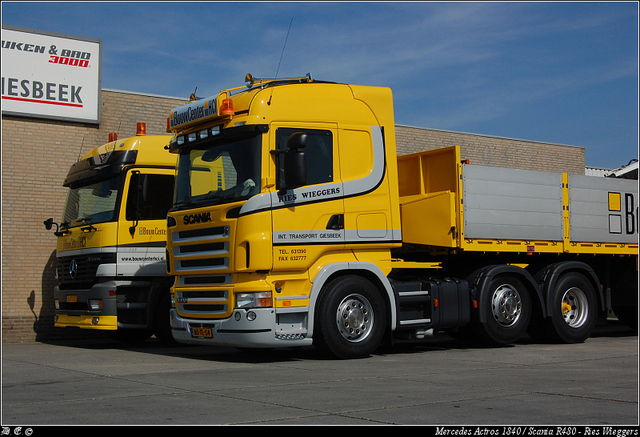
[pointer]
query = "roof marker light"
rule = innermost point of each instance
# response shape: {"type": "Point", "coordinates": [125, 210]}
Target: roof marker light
{"type": "Point", "coordinates": [227, 107]}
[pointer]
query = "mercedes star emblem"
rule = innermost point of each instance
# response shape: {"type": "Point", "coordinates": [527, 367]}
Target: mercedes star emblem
{"type": "Point", "coordinates": [73, 269]}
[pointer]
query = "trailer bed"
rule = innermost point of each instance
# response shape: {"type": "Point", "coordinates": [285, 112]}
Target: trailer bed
{"type": "Point", "coordinates": [453, 205]}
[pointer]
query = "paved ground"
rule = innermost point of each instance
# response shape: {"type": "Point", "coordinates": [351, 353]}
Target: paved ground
{"type": "Point", "coordinates": [442, 382]}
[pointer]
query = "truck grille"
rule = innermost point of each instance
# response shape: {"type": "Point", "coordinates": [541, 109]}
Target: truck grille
{"type": "Point", "coordinates": [79, 272]}
{"type": "Point", "coordinates": [201, 257]}
{"type": "Point", "coordinates": [201, 250]}
{"type": "Point", "coordinates": [193, 303]}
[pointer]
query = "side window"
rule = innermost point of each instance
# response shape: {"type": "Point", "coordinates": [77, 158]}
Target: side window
{"type": "Point", "coordinates": [319, 152]}
{"type": "Point", "coordinates": [156, 196]}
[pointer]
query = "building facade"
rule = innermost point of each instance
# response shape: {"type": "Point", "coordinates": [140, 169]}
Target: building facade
{"type": "Point", "coordinates": [37, 153]}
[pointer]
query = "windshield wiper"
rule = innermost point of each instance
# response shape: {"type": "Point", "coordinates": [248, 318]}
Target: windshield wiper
{"type": "Point", "coordinates": [182, 204]}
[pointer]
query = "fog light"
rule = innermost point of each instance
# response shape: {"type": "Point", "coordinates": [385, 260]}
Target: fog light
{"type": "Point", "coordinates": [95, 304]}
{"type": "Point", "coordinates": [251, 316]}
{"type": "Point", "coordinates": [95, 320]}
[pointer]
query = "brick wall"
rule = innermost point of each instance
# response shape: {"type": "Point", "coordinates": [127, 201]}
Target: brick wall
{"type": "Point", "coordinates": [494, 151]}
{"type": "Point", "coordinates": [36, 155]}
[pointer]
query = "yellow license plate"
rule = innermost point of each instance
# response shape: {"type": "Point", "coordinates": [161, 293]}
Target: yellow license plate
{"type": "Point", "coordinates": [202, 332]}
{"type": "Point", "coordinates": [72, 298]}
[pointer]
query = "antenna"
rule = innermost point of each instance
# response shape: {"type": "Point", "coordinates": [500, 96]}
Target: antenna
{"type": "Point", "coordinates": [80, 152]}
{"type": "Point", "coordinates": [281, 56]}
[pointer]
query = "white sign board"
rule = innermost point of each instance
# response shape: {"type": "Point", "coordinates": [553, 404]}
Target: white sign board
{"type": "Point", "coordinates": [51, 75]}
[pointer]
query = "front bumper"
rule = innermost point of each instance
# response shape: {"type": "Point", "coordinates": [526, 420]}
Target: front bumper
{"type": "Point", "coordinates": [75, 312]}
{"type": "Point", "coordinates": [104, 323]}
{"type": "Point", "coordinates": [267, 330]}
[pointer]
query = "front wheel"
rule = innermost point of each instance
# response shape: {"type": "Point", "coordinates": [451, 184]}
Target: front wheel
{"type": "Point", "coordinates": [574, 310]}
{"type": "Point", "coordinates": [508, 310]}
{"type": "Point", "coordinates": [351, 318]}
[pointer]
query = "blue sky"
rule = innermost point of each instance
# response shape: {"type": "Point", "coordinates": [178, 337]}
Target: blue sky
{"type": "Point", "coordinates": [555, 72]}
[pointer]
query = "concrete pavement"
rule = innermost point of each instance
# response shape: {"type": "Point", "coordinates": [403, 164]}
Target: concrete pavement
{"type": "Point", "coordinates": [440, 382]}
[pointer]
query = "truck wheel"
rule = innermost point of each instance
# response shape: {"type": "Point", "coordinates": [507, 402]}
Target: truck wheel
{"type": "Point", "coordinates": [162, 320]}
{"type": "Point", "coordinates": [351, 318]}
{"type": "Point", "coordinates": [508, 309]}
{"type": "Point", "coordinates": [574, 310]}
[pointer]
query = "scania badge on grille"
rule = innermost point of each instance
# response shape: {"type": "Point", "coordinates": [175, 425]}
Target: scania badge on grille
{"type": "Point", "coordinates": [73, 269]}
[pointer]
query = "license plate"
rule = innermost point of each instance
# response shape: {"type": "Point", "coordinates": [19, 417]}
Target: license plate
{"type": "Point", "coordinates": [72, 298]}
{"type": "Point", "coordinates": [202, 332]}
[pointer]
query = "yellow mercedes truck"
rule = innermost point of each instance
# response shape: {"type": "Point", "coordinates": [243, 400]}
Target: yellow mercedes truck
{"type": "Point", "coordinates": [111, 241]}
{"type": "Point", "coordinates": [294, 223]}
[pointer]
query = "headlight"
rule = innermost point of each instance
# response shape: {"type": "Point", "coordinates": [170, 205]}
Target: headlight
{"type": "Point", "coordinates": [254, 300]}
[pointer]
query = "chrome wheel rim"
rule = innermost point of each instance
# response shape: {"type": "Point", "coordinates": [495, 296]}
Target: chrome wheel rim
{"type": "Point", "coordinates": [354, 318]}
{"type": "Point", "coordinates": [575, 308]}
{"type": "Point", "coordinates": [506, 305]}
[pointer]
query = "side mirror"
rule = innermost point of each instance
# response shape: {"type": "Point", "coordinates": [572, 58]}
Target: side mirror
{"type": "Point", "coordinates": [295, 161]}
{"type": "Point", "coordinates": [48, 224]}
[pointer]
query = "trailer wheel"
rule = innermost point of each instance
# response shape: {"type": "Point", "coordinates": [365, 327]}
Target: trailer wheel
{"type": "Point", "coordinates": [574, 310]}
{"type": "Point", "coordinates": [508, 309]}
{"type": "Point", "coordinates": [351, 318]}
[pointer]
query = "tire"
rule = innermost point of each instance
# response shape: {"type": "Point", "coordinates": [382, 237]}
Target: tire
{"type": "Point", "coordinates": [162, 319]}
{"type": "Point", "coordinates": [575, 310]}
{"type": "Point", "coordinates": [508, 308]}
{"type": "Point", "coordinates": [351, 318]}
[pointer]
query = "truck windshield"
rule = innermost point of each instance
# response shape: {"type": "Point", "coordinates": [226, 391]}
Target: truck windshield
{"type": "Point", "coordinates": [95, 203]}
{"type": "Point", "coordinates": [218, 172]}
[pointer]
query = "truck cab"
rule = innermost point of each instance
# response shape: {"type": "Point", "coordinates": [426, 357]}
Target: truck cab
{"type": "Point", "coordinates": [252, 226]}
{"type": "Point", "coordinates": [111, 239]}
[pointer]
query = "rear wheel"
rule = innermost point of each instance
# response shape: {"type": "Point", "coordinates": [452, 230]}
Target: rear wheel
{"type": "Point", "coordinates": [351, 318]}
{"type": "Point", "coordinates": [508, 310]}
{"type": "Point", "coordinates": [574, 310]}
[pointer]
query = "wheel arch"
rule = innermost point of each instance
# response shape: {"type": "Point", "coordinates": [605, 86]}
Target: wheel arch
{"type": "Point", "coordinates": [480, 279]}
{"type": "Point", "coordinates": [549, 276]}
{"type": "Point", "coordinates": [368, 271]}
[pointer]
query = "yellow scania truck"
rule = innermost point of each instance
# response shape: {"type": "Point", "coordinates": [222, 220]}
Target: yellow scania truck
{"type": "Point", "coordinates": [111, 241]}
{"type": "Point", "coordinates": [295, 223]}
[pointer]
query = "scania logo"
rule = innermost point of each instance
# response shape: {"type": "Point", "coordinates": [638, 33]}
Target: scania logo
{"type": "Point", "coordinates": [73, 269]}
{"type": "Point", "coordinates": [203, 217]}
